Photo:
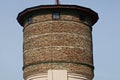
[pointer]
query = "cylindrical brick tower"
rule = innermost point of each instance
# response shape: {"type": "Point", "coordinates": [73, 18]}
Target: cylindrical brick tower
{"type": "Point", "coordinates": [58, 37]}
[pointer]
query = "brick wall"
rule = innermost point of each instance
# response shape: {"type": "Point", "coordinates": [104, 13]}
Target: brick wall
{"type": "Point", "coordinates": [65, 44]}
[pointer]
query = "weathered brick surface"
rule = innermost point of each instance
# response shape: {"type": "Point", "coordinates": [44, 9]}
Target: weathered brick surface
{"type": "Point", "coordinates": [71, 68]}
{"type": "Point", "coordinates": [58, 54]}
{"type": "Point", "coordinates": [57, 44]}
{"type": "Point", "coordinates": [57, 26]}
{"type": "Point", "coordinates": [58, 39]}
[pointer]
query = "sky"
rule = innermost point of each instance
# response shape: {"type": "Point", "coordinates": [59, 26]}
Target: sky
{"type": "Point", "coordinates": [106, 37]}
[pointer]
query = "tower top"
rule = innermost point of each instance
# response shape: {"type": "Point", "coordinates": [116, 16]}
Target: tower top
{"type": "Point", "coordinates": [29, 11]}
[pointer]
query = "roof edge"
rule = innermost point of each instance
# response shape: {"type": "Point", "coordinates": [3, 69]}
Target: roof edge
{"type": "Point", "coordinates": [22, 14]}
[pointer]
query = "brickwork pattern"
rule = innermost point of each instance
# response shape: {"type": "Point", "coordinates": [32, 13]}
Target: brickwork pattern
{"type": "Point", "coordinates": [57, 44]}
{"type": "Point", "coordinates": [71, 68]}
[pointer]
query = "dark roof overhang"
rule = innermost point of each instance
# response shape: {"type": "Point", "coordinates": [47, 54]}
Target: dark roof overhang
{"type": "Point", "coordinates": [24, 13]}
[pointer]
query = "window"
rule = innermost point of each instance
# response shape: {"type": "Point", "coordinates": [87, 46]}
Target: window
{"type": "Point", "coordinates": [82, 18]}
{"type": "Point", "coordinates": [56, 15]}
{"type": "Point", "coordinates": [29, 19]}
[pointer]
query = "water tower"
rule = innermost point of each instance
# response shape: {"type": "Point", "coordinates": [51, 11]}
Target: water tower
{"type": "Point", "coordinates": [58, 42]}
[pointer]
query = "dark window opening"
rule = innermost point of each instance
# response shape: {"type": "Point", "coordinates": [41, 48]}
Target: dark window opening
{"type": "Point", "coordinates": [82, 18]}
{"type": "Point", "coordinates": [29, 19]}
{"type": "Point", "coordinates": [56, 15]}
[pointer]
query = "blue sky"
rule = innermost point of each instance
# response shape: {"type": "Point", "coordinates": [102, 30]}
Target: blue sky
{"type": "Point", "coordinates": [106, 39]}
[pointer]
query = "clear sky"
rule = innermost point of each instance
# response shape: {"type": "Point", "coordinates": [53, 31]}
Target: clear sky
{"type": "Point", "coordinates": [106, 37]}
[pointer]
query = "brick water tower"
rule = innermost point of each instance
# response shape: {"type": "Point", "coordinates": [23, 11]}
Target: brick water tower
{"type": "Point", "coordinates": [58, 42]}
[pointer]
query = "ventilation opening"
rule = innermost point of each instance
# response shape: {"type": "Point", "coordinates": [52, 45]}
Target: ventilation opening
{"type": "Point", "coordinates": [82, 18]}
{"type": "Point", "coordinates": [56, 16]}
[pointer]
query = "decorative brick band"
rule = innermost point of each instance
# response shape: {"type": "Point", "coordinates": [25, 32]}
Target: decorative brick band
{"type": "Point", "coordinates": [47, 62]}
{"type": "Point", "coordinates": [57, 47]}
{"type": "Point", "coordinates": [58, 54]}
{"type": "Point", "coordinates": [56, 26]}
{"type": "Point", "coordinates": [57, 40]}
{"type": "Point", "coordinates": [58, 33]}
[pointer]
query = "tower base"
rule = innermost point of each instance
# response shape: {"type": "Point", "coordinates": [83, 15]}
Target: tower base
{"type": "Point", "coordinates": [57, 75]}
